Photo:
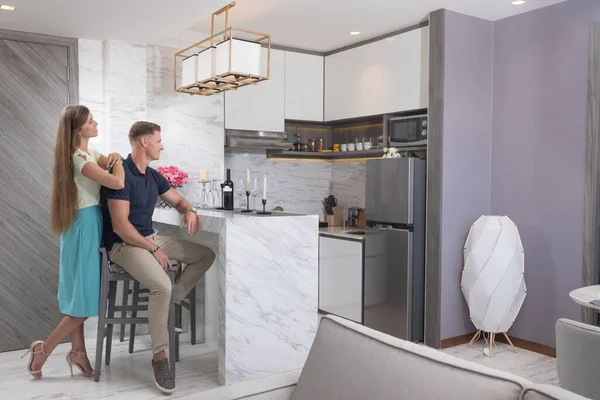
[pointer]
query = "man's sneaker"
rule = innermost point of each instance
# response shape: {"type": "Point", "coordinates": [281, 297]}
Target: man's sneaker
{"type": "Point", "coordinates": [163, 377]}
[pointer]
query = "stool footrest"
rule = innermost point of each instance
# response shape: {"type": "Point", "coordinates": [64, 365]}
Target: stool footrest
{"type": "Point", "coordinates": [118, 321]}
{"type": "Point", "coordinates": [130, 308]}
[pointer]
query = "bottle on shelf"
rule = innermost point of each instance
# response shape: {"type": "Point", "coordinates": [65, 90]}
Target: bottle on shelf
{"type": "Point", "coordinates": [297, 146]}
{"type": "Point", "coordinates": [228, 192]}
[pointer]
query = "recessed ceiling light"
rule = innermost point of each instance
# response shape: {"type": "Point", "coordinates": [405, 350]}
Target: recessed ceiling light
{"type": "Point", "coordinates": [7, 8]}
{"type": "Point", "coordinates": [518, 2]}
{"type": "Point", "coordinates": [355, 33]}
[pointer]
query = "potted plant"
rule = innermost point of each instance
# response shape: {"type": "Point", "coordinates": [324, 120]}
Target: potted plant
{"type": "Point", "coordinates": [393, 152]}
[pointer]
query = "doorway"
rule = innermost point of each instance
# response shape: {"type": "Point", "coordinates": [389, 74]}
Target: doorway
{"type": "Point", "coordinates": [38, 78]}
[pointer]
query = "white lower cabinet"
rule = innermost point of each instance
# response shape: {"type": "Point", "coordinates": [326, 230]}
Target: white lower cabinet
{"type": "Point", "coordinates": [341, 277]}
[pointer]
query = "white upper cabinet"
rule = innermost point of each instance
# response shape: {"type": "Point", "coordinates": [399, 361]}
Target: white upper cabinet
{"type": "Point", "coordinates": [386, 76]}
{"type": "Point", "coordinates": [353, 82]}
{"type": "Point", "coordinates": [259, 107]}
{"type": "Point", "coordinates": [303, 86]}
{"type": "Point", "coordinates": [406, 71]}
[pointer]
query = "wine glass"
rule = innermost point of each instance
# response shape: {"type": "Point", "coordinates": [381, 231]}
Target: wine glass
{"type": "Point", "coordinates": [240, 191]}
{"type": "Point", "coordinates": [216, 196]}
{"type": "Point", "coordinates": [255, 191]}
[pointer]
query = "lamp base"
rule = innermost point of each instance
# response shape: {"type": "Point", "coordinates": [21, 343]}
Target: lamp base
{"type": "Point", "coordinates": [263, 212]}
{"type": "Point", "coordinates": [492, 342]}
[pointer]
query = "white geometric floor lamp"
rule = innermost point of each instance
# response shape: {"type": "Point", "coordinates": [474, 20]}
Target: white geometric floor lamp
{"type": "Point", "coordinates": [493, 281]}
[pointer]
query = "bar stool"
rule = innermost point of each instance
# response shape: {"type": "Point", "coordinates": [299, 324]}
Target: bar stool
{"type": "Point", "coordinates": [190, 303]}
{"type": "Point", "coordinates": [110, 275]}
{"type": "Point", "coordinates": [140, 296]}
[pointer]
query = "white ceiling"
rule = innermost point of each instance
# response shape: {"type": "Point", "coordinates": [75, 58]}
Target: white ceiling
{"type": "Point", "coordinates": [319, 25]}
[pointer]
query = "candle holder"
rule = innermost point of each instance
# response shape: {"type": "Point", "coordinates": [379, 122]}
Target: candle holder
{"type": "Point", "coordinates": [263, 212]}
{"type": "Point", "coordinates": [203, 195]}
{"type": "Point", "coordinates": [247, 203]}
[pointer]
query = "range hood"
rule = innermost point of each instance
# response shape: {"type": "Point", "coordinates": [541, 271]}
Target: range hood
{"type": "Point", "coordinates": [256, 139]}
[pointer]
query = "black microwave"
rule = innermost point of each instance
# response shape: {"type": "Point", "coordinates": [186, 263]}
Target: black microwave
{"type": "Point", "coordinates": [405, 130]}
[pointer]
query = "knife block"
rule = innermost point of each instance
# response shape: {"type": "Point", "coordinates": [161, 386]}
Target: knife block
{"type": "Point", "coordinates": [362, 220]}
{"type": "Point", "coordinates": [336, 218]}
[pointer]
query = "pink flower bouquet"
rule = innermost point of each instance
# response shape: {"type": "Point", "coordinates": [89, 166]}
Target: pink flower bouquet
{"type": "Point", "coordinates": [173, 175]}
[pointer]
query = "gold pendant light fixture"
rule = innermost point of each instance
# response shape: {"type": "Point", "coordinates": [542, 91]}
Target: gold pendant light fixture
{"type": "Point", "coordinates": [229, 59]}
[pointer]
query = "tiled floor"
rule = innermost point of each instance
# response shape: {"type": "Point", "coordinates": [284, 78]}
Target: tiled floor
{"type": "Point", "coordinates": [129, 376]}
{"type": "Point", "coordinates": [533, 366]}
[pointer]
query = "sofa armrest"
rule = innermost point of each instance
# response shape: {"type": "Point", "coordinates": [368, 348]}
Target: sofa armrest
{"type": "Point", "coordinates": [276, 387]}
{"type": "Point", "coordinates": [578, 357]}
{"type": "Point", "coordinates": [548, 392]}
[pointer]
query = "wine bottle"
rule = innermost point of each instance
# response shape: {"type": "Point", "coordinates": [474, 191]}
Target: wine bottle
{"type": "Point", "coordinates": [297, 146]}
{"type": "Point", "coordinates": [228, 192]}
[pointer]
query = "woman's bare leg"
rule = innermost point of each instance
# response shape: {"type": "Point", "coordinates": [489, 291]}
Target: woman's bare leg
{"type": "Point", "coordinates": [62, 330]}
{"type": "Point", "coordinates": [78, 346]}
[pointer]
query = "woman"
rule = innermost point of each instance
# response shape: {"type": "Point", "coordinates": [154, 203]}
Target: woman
{"type": "Point", "coordinates": [79, 172]}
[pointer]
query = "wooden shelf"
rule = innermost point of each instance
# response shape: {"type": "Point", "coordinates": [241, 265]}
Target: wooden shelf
{"type": "Point", "coordinates": [342, 155]}
{"type": "Point", "coordinates": [307, 155]}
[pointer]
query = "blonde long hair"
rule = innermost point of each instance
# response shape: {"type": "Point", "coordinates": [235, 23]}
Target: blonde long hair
{"type": "Point", "coordinates": [64, 191]}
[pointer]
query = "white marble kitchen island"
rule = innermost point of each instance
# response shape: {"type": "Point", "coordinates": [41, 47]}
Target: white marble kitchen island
{"type": "Point", "coordinates": [268, 289]}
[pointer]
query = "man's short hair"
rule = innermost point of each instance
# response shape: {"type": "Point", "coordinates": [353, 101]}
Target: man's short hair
{"type": "Point", "coordinates": [142, 128]}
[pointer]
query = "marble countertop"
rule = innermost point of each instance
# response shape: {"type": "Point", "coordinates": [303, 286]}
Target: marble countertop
{"type": "Point", "coordinates": [172, 216]}
{"type": "Point", "coordinates": [342, 232]}
{"type": "Point", "coordinates": [216, 220]}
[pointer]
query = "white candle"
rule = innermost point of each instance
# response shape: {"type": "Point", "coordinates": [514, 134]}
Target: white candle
{"type": "Point", "coordinates": [247, 180]}
{"type": "Point", "coordinates": [264, 187]}
{"type": "Point", "coordinates": [203, 175]}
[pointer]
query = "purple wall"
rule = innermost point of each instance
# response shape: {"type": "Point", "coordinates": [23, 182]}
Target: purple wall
{"type": "Point", "coordinates": [468, 78]}
{"type": "Point", "coordinates": [538, 153]}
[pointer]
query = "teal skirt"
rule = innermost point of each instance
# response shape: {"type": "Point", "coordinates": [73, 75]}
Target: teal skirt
{"type": "Point", "coordinates": [79, 276]}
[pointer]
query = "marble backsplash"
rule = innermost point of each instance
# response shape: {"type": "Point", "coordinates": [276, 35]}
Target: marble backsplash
{"type": "Point", "coordinates": [91, 87]}
{"type": "Point", "coordinates": [295, 186]}
{"type": "Point", "coordinates": [300, 186]}
{"type": "Point", "coordinates": [125, 97]}
{"type": "Point", "coordinates": [192, 126]}
{"type": "Point", "coordinates": [124, 82]}
{"type": "Point", "coordinates": [349, 183]}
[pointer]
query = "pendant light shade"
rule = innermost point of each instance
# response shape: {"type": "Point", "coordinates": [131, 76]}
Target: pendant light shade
{"type": "Point", "coordinates": [244, 55]}
{"type": "Point", "coordinates": [227, 60]}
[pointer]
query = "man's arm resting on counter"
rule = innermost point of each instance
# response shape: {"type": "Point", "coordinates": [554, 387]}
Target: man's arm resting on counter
{"type": "Point", "coordinates": [176, 201]}
{"type": "Point", "coordinates": [183, 206]}
{"type": "Point", "coordinates": [119, 213]}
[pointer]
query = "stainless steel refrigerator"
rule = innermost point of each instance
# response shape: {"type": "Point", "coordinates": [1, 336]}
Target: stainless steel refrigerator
{"type": "Point", "coordinates": [394, 276]}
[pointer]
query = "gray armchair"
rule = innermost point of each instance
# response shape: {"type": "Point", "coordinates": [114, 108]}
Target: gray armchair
{"type": "Point", "coordinates": [578, 357]}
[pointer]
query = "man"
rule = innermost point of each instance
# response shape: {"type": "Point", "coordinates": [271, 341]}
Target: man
{"type": "Point", "coordinates": [132, 243]}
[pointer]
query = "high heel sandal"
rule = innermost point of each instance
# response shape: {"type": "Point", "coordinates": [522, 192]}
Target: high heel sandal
{"type": "Point", "coordinates": [33, 353]}
{"type": "Point", "coordinates": [71, 363]}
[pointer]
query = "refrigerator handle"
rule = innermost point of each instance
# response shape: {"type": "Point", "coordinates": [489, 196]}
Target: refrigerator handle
{"type": "Point", "coordinates": [378, 225]}
{"type": "Point", "coordinates": [391, 227]}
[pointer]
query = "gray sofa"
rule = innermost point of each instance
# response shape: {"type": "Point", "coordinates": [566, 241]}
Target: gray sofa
{"type": "Point", "coordinates": [578, 357]}
{"type": "Point", "coordinates": [348, 361]}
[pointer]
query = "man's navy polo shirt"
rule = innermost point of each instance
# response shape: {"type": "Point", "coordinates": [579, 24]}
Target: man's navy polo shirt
{"type": "Point", "coordinates": [142, 191]}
